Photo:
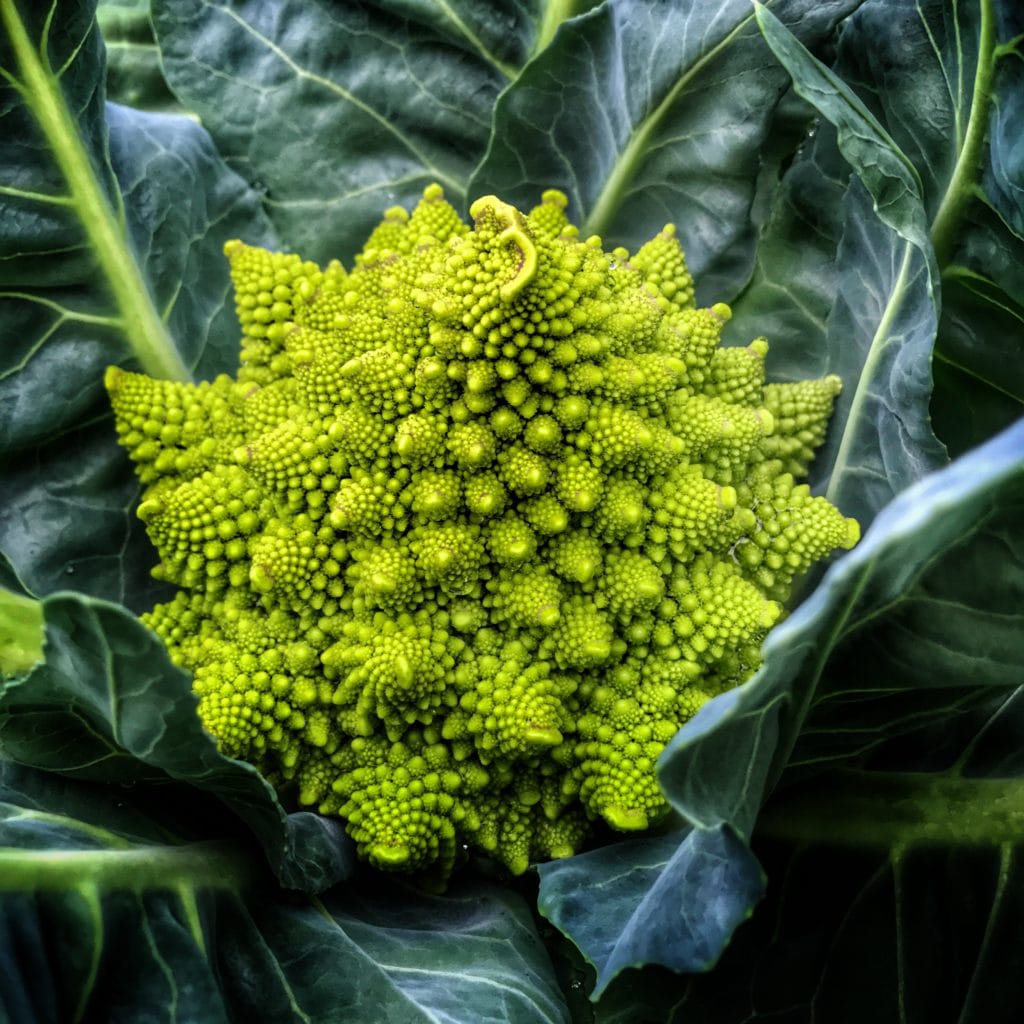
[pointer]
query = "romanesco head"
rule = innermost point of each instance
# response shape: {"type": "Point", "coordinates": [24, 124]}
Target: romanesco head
{"type": "Point", "coordinates": [479, 524]}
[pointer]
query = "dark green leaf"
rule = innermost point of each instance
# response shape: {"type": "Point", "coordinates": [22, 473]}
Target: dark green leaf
{"type": "Point", "coordinates": [909, 873]}
{"type": "Point", "coordinates": [108, 705]}
{"type": "Point", "coordinates": [946, 82]}
{"type": "Point", "coordinates": [879, 336]}
{"type": "Point", "coordinates": [981, 334]}
{"type": "Point", "coordinates": [793, 286]}
{"type": "Point", "coordinates": [337, 112]}
{"type": "Point", "coordinates": [102, 917]}
{"type": "Point", "coordinates": [646, 112]}
{"type": "Point", "coordinates": [673, 899]}
{"type": "Point", "coordinates": [155, 202]}
{"type": "Point", "coordinates": [882, 328]}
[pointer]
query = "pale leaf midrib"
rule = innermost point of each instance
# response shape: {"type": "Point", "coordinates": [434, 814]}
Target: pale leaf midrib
{"type": "Point", "coordinates": [625, 166]}
{"type": "Point", "coordinates": [959, 191]}
{"type": "Point", "coordinates": [213, 865]}
{"type": "Point", "coordinates": [144, 331]}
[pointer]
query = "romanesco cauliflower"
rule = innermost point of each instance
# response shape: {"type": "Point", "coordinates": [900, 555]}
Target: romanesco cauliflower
{"type": "Point", "coordinates": [479, 525]}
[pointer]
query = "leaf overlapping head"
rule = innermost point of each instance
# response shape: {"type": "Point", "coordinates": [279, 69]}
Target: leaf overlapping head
{"type": "Point", "coordinates": [478, 526]}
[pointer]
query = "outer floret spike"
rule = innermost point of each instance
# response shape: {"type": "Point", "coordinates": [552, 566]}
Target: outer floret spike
{"type": "Point", "coordinates": [582, 638]}
{"type": "Point", "coordinates": [623, 511]}
{"type": "Point", "coordinates": [644, 380]}
{"type": "Point", "coordinates": [320, 309]}
{"type": "Point", "coordinates": [393, 669]}
{"type": "Point", "coordinates": [402, 805]}
{"type": "Point", "coordinates": [692, 514]}
{"type": "Point", "coordinates": [387, 239]}
{"type": "Point", "coordinates": [450, 556]}
{"type": "Point", "coordinates": [579, 483]}
{"type": "Point", "coordinates": [471, 446]}
{"type": "Point", "coordinates": [514, 829]}
{"type": "Point", "coordinates": [615, 774]}
{"type": "Point", "coordinates": [485, 496]}
{"type": "Point", "coordinates": [575, 556]}
{"type": "Point", "coordinates": [720, 434]}
{"type": "Point", "coordinates": [614, 436]}
{"type": "Point", "coordinates": [263, 408]}
{"type": "Point", "coordinates": [434, 495]}
{"type": "Point", "coordinates": [719, 612]}
{"type": "Point", "coordinates": [631, 585]}
{"type": "Point", "coordinates": [246, 708]}
{"type": "Point", "coordinates": [172, 429]}
{"type": "Point", "coordinates": [200, 528]}
{"type": "Point", "coordinates": [419, 438]}
{"type": "Point", "coordinates": [793, 531]}
{"type": "Point", "coordinates": [269, 287]}
{"type": "Point", "coordinates": [512, 714]}
{"type": "Point", "coordinates": [801, 411]}
{"type": "Point", "coordinates": [282, 560]}
{"type": "Point", "coordinates": [633, 324]}
{"type": "Point", "coordinates": [362, 437]}
{"type": "Point", "coordinates": [529, 598]}
{"type": "Point", "coordinates": [511, 541]}
{"type": "Point", "coordinates": [548, 219]}
{"type": "Point", "coordinates": [555, 839]}
{"type": "Point", "coordinates": [692, 335]}
{"type": "Point", "coordinates": [737, 374]}
{"type": "Point", "coordinates": [663, 265]}
{"type": "Point", "coordinates": [313, 777]}
{"type": "Point", "coordinates": [362, 505]}
{"type": "Point", "coordinates": [284, 457]}
{"type": "Point", "coordinates": [180, 621]}
{"type": "Point", "coordinates": [384, 576]}
{"type": "Point", "coordinates": [316, 365]}
{"type": "Point", "coordinates": [381, 378]}
{"type": "Point", "coordinates": [434, 220]}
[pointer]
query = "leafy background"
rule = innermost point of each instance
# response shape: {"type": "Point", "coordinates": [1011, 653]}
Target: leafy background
{"type": "Point", "coordinates": [849, 174]}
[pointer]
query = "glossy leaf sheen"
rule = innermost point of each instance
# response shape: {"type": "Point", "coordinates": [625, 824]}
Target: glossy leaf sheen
{"type": "Point", "coordinates": [673, 899]}
{"type": "Point", "coordinates": [950, 95]}
{"type": "Point", "coordinates": [793, 286]}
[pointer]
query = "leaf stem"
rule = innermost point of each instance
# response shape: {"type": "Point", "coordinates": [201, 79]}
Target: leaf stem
{"type": "Point", "coordinates": [897, 809]}
{"type": "Point", "coordinates": [946, 225]}
{"type": "Point", "coordinates": [219, 865]}
{"type": "Point", "coordinates": [145, 331]}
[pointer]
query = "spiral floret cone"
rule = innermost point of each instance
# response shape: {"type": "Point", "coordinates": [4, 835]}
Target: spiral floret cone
{"type": "Point", "coordinates": [481, 522]}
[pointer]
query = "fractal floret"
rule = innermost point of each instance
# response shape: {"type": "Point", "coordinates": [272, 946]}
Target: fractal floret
{"type": "Point", "coordinates": [482, 521]}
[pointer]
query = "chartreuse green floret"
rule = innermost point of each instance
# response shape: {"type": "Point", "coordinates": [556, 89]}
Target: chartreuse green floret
{"type": "Point", "coordinates": [480, 523]}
